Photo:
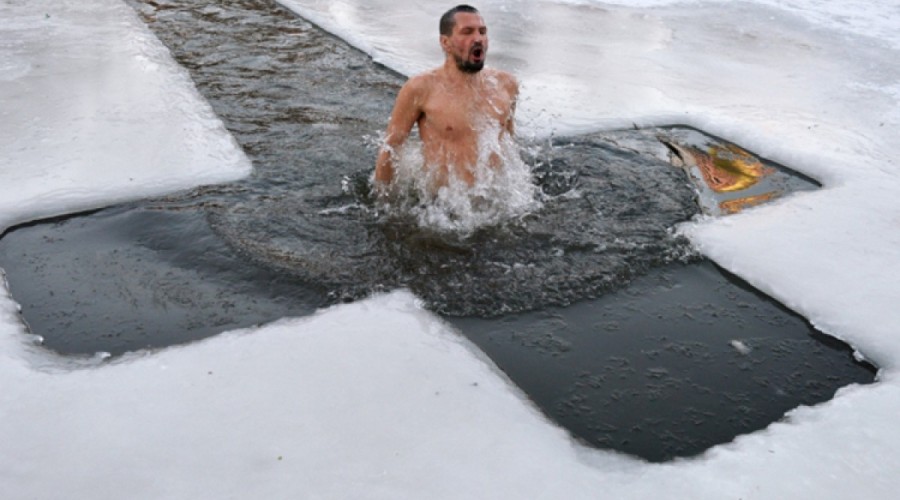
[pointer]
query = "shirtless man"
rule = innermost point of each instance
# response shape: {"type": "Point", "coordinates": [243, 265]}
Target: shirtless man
{"type": "Point", "coordinates": [451, 104]}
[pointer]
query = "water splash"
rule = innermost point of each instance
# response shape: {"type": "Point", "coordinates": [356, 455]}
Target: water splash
{"type": "Point", "coordinates": [503, 188]}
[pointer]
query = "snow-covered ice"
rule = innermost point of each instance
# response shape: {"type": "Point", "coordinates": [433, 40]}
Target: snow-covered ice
{"type": "Point", "coordinates": [95, 111]}
{"type": "Point", "coordinates": [380, 399]}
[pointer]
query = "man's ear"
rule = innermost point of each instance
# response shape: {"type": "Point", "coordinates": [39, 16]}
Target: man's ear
{"type": "Point", "coordinates": [445, 43]}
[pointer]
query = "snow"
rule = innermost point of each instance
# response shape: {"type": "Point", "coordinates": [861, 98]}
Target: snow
{"type": "Point", "coordinates": [380, 398]}
{"type": "Point", "coordinates": [95, 111]}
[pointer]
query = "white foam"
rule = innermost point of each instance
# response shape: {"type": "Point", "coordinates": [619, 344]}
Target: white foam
{"type": "Point", "coordinates": [500, 192]}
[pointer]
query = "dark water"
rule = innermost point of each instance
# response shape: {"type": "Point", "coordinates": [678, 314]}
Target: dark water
{"type": "Point", "coordinates": [300, 102]}
{"type": "Point", "coordinates": [610, 324]}
{"type": "Point", "coordinates": [685, 357]}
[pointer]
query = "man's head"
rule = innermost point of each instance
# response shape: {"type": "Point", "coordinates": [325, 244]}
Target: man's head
{"type": "Point", "coordinates": [464, 37]}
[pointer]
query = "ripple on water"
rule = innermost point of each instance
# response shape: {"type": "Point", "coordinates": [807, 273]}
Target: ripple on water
{"type": "Point", "coordinates": [605, 217]}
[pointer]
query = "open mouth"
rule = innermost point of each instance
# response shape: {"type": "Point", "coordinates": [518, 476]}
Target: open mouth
{"type": "Point", "coordinates": [478, 53]}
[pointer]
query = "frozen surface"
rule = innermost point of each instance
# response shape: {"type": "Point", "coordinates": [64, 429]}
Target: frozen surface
{"type": "Point", "coordinates": [380, 399]}
{"type": "Point", "coordinates": [93, 110]}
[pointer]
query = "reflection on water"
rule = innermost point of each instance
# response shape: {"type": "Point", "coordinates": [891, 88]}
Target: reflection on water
{"type": "Point", "coordinates": [303, 232]}
{"type": "Point", "coordinates": [728, 178]}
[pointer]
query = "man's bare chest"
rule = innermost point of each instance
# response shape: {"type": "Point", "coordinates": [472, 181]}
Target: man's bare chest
{"type": "Point", "coordinates": [453, 115]}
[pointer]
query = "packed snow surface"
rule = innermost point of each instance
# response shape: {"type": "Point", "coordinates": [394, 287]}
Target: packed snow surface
{"type": "Point", "coordinates": [380, 399]}
{"type": "Point", "coordinates": [94, 111]}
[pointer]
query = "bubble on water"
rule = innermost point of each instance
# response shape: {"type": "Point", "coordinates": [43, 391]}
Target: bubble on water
{"type": "Point", "coordinates": [741, 347]}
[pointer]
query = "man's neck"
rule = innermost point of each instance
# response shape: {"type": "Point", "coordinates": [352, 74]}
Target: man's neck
{"type": "Point", "coordinates": [456, 75]}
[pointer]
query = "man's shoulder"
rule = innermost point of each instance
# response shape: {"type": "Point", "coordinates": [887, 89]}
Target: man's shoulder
{"type": "Point", "coordinates": [504, 78]}
{"type": "Point", "coordinates": [424, 79]}
{"type": "Point", "coordinates": [420, 83]}
{"type": "Point", "coordinates": [500, 74]}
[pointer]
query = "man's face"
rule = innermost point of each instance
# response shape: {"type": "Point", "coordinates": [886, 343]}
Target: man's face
{"type": "Point", "coordinates": [468, 42]}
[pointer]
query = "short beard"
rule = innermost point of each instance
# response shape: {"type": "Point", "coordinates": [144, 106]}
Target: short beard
{"type": "Point", "coordinates": [468, 67]}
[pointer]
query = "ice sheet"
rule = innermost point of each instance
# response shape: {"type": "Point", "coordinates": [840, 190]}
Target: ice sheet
{"type": "Point", "coordinates": [378, 399]}
{"type": "Point", "coordinates": [95, 111]}
{"type": "Point", "coordinates": [325, 407]}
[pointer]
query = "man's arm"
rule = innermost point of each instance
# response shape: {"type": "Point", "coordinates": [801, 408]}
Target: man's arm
{"type": "Point", "coordinates": [512, 87]}
{"type": "Point", "coordinates": [407, 110]}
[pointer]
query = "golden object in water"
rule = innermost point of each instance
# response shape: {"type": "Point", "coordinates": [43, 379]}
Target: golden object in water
{"type": "Point", "coordinates": [736, 205]}
{"type": "Point", "coordinates": [724, 169]}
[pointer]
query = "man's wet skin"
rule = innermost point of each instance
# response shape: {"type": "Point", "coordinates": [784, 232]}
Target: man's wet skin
{"type": "Point", "coordinates": [460, 108]}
